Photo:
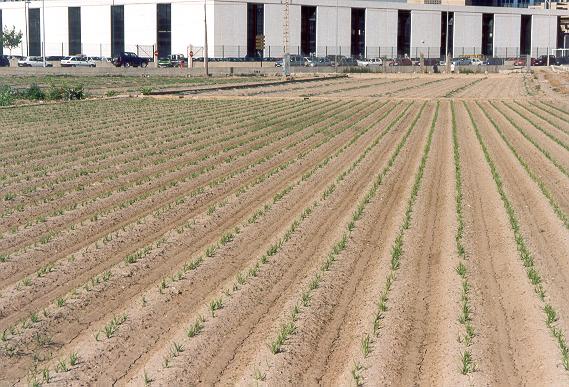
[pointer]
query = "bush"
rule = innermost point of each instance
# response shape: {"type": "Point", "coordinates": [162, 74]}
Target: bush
{"type": "Point", "coordinates": [6, 96]}
{"type": "Point", "coordinates": [67, 93]}
{"type": "Point", "coordinates": [111, 93]}
{"type": "Point", "coordinates": [146, 90]}
{"type": "Point", "coordinates": [33, 93]}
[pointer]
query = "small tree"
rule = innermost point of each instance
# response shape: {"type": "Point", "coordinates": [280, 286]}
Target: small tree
{"type": "Point", "coordinates": [10, 38]}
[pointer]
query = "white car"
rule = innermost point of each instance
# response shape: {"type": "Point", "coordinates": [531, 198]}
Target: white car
{"type": "Point", "coordinates": [78, 61]}
{"type": "Point", "coordinates": [33, 61]}
{"type": "Point", "coordinates": [373, 62]}
{"type": "Point", "coordinates": [476, 62]}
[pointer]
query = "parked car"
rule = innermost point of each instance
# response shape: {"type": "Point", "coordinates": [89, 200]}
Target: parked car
{"type": "Point", "coordinates": [128, 59]}
{"type": "Point", "coordinates": [493, 62]}
{"type": "Point", "coordinates": [401, 62]}
{"type": "Point", "coordinates": [542, 60]}
{"type": "Point", "coordinates": [462, 61]}
{"type": "Point", "coordinates": [475, 62]}
{"type": "Point", "coordinates": [4, 61]}
{"type": "Point", "coordinates": [33, 61]}
{"type": "Point", "coordinates": [78, 61]}
{"type": "Point", "coordinates": [172, 60]}
{"type": "Point", "coordinates": [523, 60]}
{"type": "Point", "coordinates": [316, 62]}
{"type": "Point", "coordinates": [563, 60]}
{"type": "Point", "coordinates": [373, 62]}
{"type": "Point", "coordinates": [295, 60]}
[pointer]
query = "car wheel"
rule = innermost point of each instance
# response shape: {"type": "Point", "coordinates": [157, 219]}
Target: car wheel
{"type": "Point", "coordinates": [126, 64]}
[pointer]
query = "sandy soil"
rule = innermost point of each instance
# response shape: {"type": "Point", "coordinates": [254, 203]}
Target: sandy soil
{"type": "Point", "coordinates": [117, 238]}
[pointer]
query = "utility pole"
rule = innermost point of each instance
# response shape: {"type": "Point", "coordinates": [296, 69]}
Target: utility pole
{"type": "Point", "coordinates": [43, 28]}
{"type": "Point", "coordinates": [548, 5]}
{"type": "Point", "coordinates": [446, 45]}
{"type": "Point", "coordinates": [286, 55]}
{"type": "Point", "coordinates": [337, 28]}
{"type": "Point", "coordinates": [205, 39]}
{"type": "Point", "coordinates": [26, 7]}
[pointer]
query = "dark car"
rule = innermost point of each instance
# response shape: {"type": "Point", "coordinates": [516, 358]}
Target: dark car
{"type": "Point", "coordinates": [401, 62]}
{"type": "Point", "coordinates": [128, 59]}
{"type": "Point", "coordinates": [564, 60]}
{"type": "Point", "coordinates": [542, 60]}
{"type": "Point", "coordinates": [494, 62]}
{"type": "Point", "coordinates": [4, 61]}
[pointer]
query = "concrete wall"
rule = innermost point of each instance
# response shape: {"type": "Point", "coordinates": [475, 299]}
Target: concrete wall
{"type": "Point", "coordinates": [227, 26]}
{"type": "Point", "coordinates": [425, 33]}
{"type": "Point", "coordinates": [326, 30]}
{"type": "Point", "coordinates": [541, 38]}
{"type": "Point", "coordinates": [467, 37]}
{"type": "Point", "coordinates": [230, 31]}
{"type": "Point", "coordinates": [135, 33]}
{"type": "Point", "coordinates": [96, 30]}
{"type": "Point", "coordinates": [188, 28]}
{"type": "Point", "coordinates": [273, 28]}
{"type": "Point", "coordinates": [507, 35]}
{"type": "Point", "coordinates": [381, 33]}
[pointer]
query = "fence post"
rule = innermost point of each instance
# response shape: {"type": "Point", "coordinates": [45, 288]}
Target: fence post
{"type": "Point", "coordinates": [101, 50]}
{"type": "Point", "coordinates": [61, 48]}
{"type": "Point", "coordinates": [269, 51]}
{"type": "Point", "coordinates": [223, 51]}
{"type": "Point", "coordinates": [238, 51]}
{"type": "Point", "coordinates": [379, 51]}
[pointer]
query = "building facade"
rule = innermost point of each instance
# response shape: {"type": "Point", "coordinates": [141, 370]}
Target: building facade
{"type": "Point", "coordinates": [362, 28]}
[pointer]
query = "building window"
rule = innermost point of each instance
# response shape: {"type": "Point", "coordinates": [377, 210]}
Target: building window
{"type": "Point", "coordinates": [117, 29]}
{"type": "Point", "coordinates": [308, 30]}
{"type": "Point", "coordinates": [74, 28]}
{"type": "Point", "coordinates": [255, 29]}
{"type": "Point", "coordinates": [164, 29]}
{"type": "Point", "coordinates": [358, 40]}
{"type": "Point", "coordinates": [488, 34]}
{"type": "Point", "coordinates": [444, 41]}
{"type": "Point", "coordinates": [34, 32]}
{"type": "Point", "coordinates": [1, 46]}
{"type": "Point", "coordinates": [403, 33]}
{"type": "Point", "coordinates": [525, 35]}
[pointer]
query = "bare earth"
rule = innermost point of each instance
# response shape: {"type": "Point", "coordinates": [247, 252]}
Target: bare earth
{"type": "Point", "coordinates": [399, 229]}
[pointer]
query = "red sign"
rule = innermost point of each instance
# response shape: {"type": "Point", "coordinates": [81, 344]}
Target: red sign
{"type": "Point", "coordinates": [156, 53]}
{"type": "Point", "coordinates": [191, 54]}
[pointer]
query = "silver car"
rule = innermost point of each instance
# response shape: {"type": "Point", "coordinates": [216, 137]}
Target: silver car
{"type": "Point", "coordinates": [78, 61]}
{"type": "Point", "coordinates": [33, 61]}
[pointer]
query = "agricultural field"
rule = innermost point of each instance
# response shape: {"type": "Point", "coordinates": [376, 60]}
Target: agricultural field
{"type": "Point", "coordinates": [390, 230]}
{"type": "Point", "coordinates": [103, 84]}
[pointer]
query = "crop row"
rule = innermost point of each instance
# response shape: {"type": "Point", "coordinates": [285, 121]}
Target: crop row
{"type": "Point", "coordinates": [212, 249]}
{"type": "Point", "coordinates": [524, 252]}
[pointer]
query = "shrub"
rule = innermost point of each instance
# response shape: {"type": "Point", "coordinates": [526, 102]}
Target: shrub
{"type": "Point", "coordinates": [6, 96]}
{"type": "Point", "coordinates": [146, 90]}
{"type": "Point", "coordinates": [34, 93]}
{"type": "Point", "coordinates": [65, 92]}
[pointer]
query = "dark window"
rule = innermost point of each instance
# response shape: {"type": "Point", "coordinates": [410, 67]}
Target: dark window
{"type": "Point", "coordinates": [525, 35]}
{"type": "Point", "coordinates": [74, 28]}
{"type": "Point", "coordinates": [1, 45]}
{"type": "Point", "coordinates": [487, 34]}
{"type": "Point", "coordinates": [403, 33]}
{"type": "Point", "coordinates": [562, 34]}
{"type": "Point", "coordinates": [444, 33]}
{"type": "Point", "coordinates": [307, 30]}
{"type": "Point", "coordinates": [255, 28]}
{"type": "Point", "coordinates": [117, 29]}
{"type": "Point", "coordinates": [164, 29]}
{"type": "Point", "coordinates": [34, 31]}
{"type": "Point", "coordinates": [358, 32]}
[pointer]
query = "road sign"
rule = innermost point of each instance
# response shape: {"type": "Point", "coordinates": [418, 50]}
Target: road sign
{"type": "Point", "coordinates": [260, 42]}
{"type": "Point", "coordinates": [191, 54]}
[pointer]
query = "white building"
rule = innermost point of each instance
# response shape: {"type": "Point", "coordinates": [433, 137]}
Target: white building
{"type": "Point", "coordinates": [368, 28]}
